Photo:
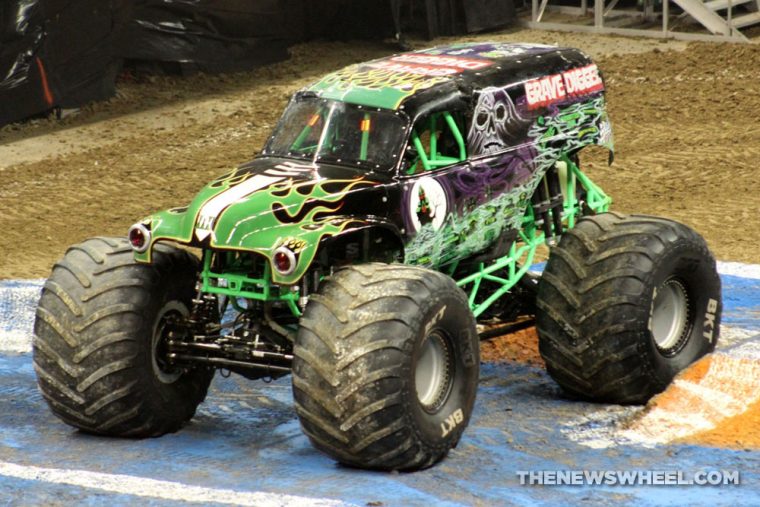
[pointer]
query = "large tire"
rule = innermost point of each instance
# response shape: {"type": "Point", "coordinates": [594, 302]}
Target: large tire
{"type": "Point", "coordinates": [96, 334]}
{"type": "Point", "coordinates": [624, 304]}
{"type": "Point", "coordinates": [386, 366]}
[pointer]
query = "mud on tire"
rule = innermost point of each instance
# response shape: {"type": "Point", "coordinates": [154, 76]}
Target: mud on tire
{"type": "Point", "coordinates": [94, 333]}
{"type": "Point", "coordinates": [624, 304]}
{"type": "Point", "coordinates": [386, 366]}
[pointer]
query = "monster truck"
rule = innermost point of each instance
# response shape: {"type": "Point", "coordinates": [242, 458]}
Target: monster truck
{"type": "Point", "coordinates": [396, 202]}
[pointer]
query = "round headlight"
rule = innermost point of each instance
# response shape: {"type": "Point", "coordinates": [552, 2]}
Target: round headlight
{"type": "Point", "coordinates": [284, 260]}
{"type": "Point", "coordinates": [139, 238]}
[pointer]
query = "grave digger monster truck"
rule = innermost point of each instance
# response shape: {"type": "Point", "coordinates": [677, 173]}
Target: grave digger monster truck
{"type": "Point", "coordinates": [397, 201]}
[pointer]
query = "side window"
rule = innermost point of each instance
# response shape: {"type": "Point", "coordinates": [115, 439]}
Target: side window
{"type": "Point", "coordinates": [436, 141]}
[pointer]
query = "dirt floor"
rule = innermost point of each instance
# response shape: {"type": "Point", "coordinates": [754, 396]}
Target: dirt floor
{"type": "Point", "coordinates": [685, 119]}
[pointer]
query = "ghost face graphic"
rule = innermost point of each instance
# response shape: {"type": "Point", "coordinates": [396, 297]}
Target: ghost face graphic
{"type": "Point", "coordinates": [496, 123]}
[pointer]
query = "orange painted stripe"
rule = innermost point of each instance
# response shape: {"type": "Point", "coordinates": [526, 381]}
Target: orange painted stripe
{"type": "Point", "coordinates": [703, 398]}
{"type": "Point", "coordinates": [45, 86]}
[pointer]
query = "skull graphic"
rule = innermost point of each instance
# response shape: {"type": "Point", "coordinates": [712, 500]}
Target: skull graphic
{"type": "Point", "coordinates": [496, 123]}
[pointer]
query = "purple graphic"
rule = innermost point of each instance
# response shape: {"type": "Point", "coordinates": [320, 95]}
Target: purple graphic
{"type": "Point", "coordinates": [495, 176]}
{"type": "Point", "coordinates": [496, 124]}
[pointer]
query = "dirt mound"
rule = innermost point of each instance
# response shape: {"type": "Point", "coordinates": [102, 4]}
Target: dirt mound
{"type": "Point", "coordinates": [521, 347]}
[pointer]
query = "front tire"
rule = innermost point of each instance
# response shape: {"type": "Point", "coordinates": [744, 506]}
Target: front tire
{"type": "Point", "coordinates": [99, 339]}
{"type": "Point", "coordinates": [386, 366]}
{"type": "Point", "coordinates": [624, 304]}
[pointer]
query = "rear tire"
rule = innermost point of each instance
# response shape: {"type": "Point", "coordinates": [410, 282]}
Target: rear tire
{"type": "Point", "coordinates": [386, 366]}
{"type": "Point", "coordinates": [98, 335]}
{"type": "Point", "coordinates": [624, 304]}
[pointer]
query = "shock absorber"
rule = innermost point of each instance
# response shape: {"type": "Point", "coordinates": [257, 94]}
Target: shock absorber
{"type": "Point", "coordinates": [548, 205]}
{"type": "Point", "coordinates": [556, 199]}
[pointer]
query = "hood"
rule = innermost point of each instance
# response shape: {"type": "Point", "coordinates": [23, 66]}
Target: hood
{"type": "Point", "coordinates": [265, 204]}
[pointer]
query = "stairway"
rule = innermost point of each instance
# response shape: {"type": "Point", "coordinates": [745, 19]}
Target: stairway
{"type": "Point", "coordinates": [714, 14]}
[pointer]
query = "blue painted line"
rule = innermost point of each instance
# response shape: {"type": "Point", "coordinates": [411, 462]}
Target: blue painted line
{"type": "Point", "coordinates": [516, 426]}
{"type": "Point", "coordinates": [741, 302]}
{"type": "Point", "coordinates": [18, 299]}
{"type": "Point", "coordinates": [246, 437]}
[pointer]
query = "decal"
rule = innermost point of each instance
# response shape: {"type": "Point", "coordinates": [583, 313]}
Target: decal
{"type": "Point", "coordinates": [220, 202]}
{"type": "Point", "coordinates": [313, 209]}
{"type": "Point", "coordinates": [248, 185]}
{"type": "Point", "coordinates": [386, 83]}
{"type": "Point", "coordinates": [407, 68]}
{"type": "Point", "coordinates": [558, 87]}
{"type": "Point", "coordinates": [493, 196]}
{"type": "Point", "coordinates": [295, 245]}
{"type": "Point", "coordinates": [605, 133]}
{"type": "Point", "coordinates": [471, 231]}
{"type": "Point", "coordinates": [496, 123]}
{"type": "Point", "coordinates": [364, 80]}
{"type": "Point", "coordinates": [429, 64]}
{"type": "Point", "coordinates": [427, 204]}
{"type": "Point", "coordinates": [568, 129]}
{"type": "Point", "coordinates": [709, 324]}
{"type": "Point", "coordinates": [374, 78]}
{"type": "Point", "coordinates": [451, 422]}
{"type": "Point", "coordinates": [490, 50]}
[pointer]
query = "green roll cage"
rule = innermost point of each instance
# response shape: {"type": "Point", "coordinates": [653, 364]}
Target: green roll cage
{"type": "Point", "coordinates": [432, 159]}
{"type": "Point", "coordinates": [236, 281]}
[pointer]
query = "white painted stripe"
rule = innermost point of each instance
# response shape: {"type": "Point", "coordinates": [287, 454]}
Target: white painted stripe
{"type": "Point", "coordinates": [210, 211]}
{"type": "Point", "coordinates": [661, 426]}
{"type": "Point", "coordinates": [728, 388]}
{"type": "Point", "coordinates": [749, 350]}
{"type": "Point", "coordinates": [151, 488]}
{"type": "Point", "coordinates": [739, 269]}
{"type": "Point", "coordinates": [15, 342]}
{"type": "Point", "coordinates": [733, 335]}
{"type": "Point", "coordinates": [716, 399]}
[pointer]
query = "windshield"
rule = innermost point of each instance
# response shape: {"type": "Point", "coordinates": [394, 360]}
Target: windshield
{"type": "Point", "coordinates": [323, 130]}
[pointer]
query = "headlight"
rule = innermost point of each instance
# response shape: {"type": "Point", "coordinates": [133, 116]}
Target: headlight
{"type": "Point", "coordinates": [139, 238]}
{"type": "Point", "coordinates": [284, 260]}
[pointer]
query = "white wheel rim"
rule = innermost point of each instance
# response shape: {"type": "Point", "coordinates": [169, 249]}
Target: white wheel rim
{"type": "Point", "coordinates": [670, 313]}
{"type": "Point", "coordinates": [432, 372]}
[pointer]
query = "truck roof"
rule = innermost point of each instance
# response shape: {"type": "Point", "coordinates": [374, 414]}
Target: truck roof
{"type": "Point", "coordinates": [443, 73]}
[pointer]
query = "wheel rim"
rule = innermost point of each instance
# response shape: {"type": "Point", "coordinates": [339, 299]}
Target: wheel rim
{"type": "Point", "coordinates": [164, 371]}
{"type": "Point", "coordinates": [432, 374]}
{"type": "Point", "coordinates": [670, 316]}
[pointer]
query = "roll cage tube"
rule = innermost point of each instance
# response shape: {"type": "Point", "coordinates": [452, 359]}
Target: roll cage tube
{"type": "Point", "coordinates": [348, 133]}
{"type": "Point", "coordinates": [365, 126]}
{"type": "Point", "coordinates": [435, 159]}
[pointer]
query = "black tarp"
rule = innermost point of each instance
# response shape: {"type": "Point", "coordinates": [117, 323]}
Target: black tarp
{"type": "Point", "coordinates": [65, 53]}
{"type": "Point", "coordinates": [57, 53]}
{"type": "Point", "coordinates": [483, 15]}
{"type": "Point", "coordinates": [211, 35]}
{"type": "Point", "coordinates": [21, 39]}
